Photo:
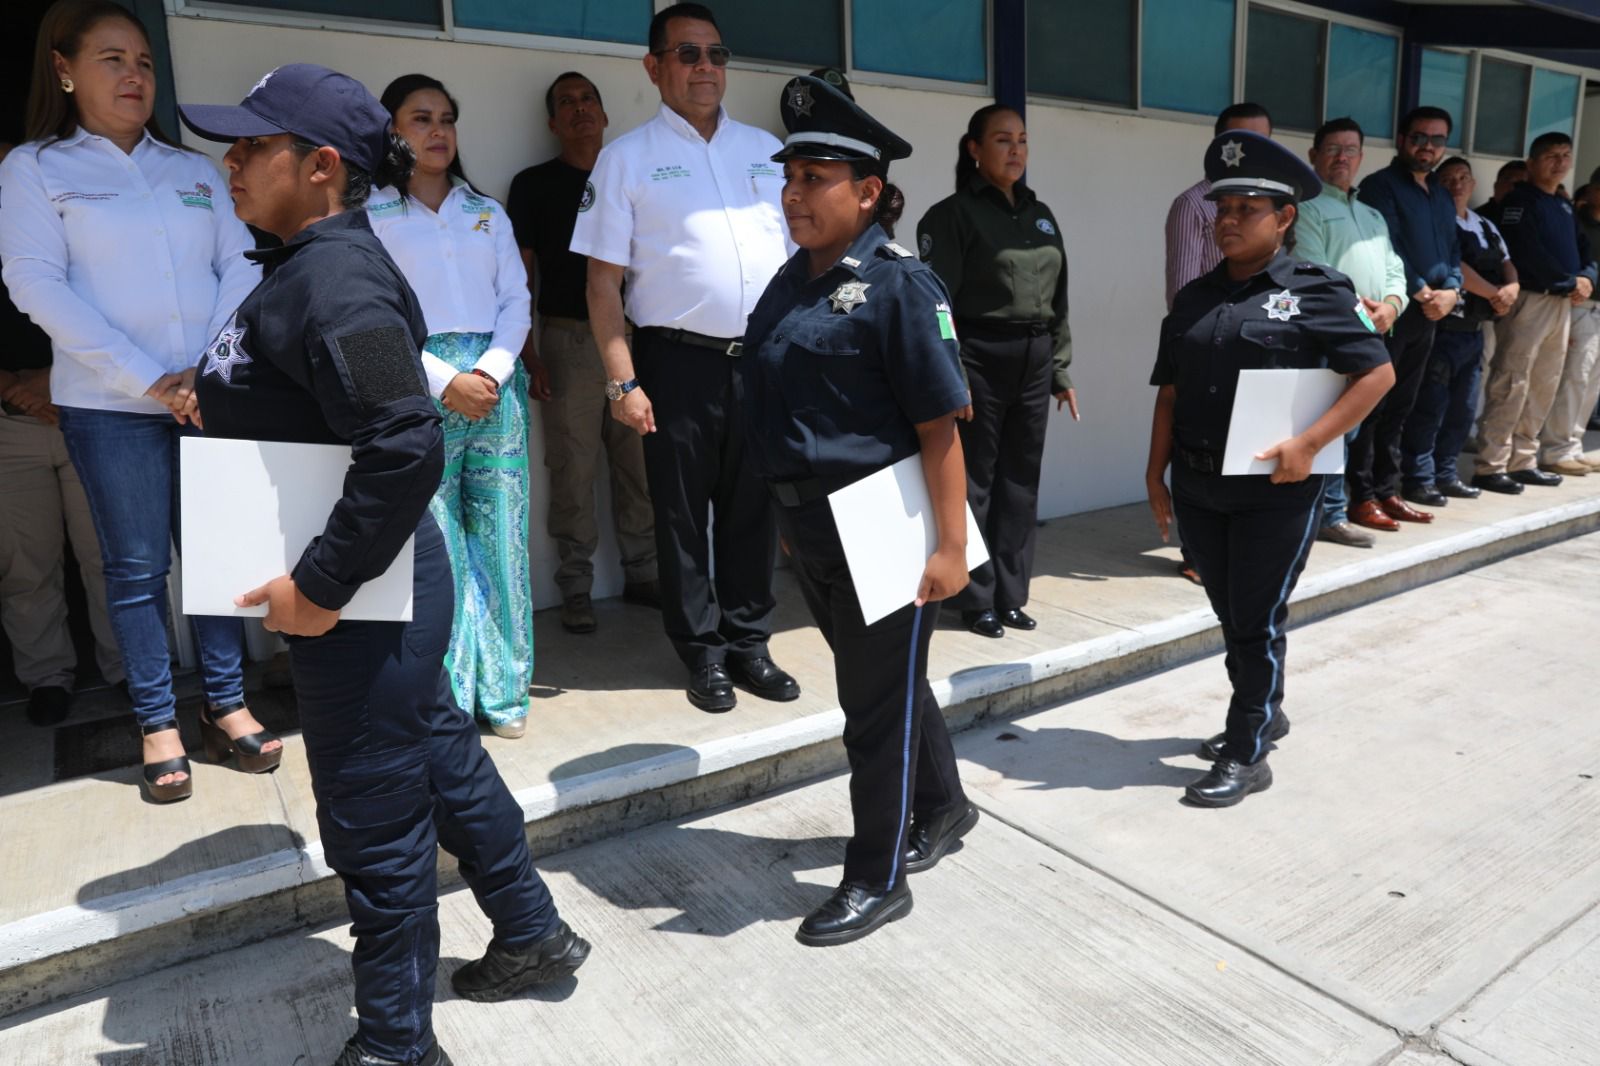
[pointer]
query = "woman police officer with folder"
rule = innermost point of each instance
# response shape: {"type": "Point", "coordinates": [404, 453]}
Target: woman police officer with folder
{"type": "Point", "coordinates": [850, 365]}
{"type": "Point", "coordinates": [1249, 534]}
{"type": "Point", "coordinates": [326, 350]}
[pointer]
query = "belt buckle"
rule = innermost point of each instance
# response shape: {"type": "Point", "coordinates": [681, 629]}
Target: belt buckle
{"type": "Point", "coordinates": [735, 348]}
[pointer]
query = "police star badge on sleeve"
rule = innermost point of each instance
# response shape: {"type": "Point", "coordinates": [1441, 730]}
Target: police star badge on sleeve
{"type": "Point", "coordinates": [1282, 306]}
{"type": "Point", "coordinates": [849, 296]}
{"type": "Point", "coordinates": [226, 352]}
{"type": "Point", "coordinates": [1232, 153]}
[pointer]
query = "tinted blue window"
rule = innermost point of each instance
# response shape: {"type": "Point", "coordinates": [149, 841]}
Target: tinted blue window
{"type": "Point", "coordinates": [1361, 77]}
{"type": "Point", "coordinates": [944, 39]}
{"type": "Point", "coordinates": [1082, 49]}
{"type": "Point", "coordinates": [1554, 105]}
{"type": "Point", "coordinates": [1283, 67]}
{"type": "Point", "coordinates": [627, 21]}
{"type": "Point", "coordinates": [1502, 106]}
{"type": "Point", "coordinates": [807, 35]}
{"type": "Point", "coordinates": [1187, 63]}
{"type": "Point", "coordinates": [1444, 84]}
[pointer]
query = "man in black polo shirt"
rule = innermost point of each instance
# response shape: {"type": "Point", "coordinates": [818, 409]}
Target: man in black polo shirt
{"type": "Point", "coordinates": [565, 369]}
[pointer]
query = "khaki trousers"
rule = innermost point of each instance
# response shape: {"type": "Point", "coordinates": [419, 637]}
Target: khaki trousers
{"type": "Point", "coordinates": [577, 425]}
{"type": "Point", "coordinates": [41, 503]}
{"type": "Point", "coordinates": [1579, 389]}
{"type": "Point", "coordinates": [1530, 352]}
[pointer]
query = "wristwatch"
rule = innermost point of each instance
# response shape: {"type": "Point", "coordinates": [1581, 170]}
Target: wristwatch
{"type": "Point", "coordinates": [616, 390]}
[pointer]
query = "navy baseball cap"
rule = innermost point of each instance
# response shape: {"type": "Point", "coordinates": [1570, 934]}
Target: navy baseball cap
{"type": "Point", "coordinates": [1241, 163]}
{"type": "Point", "coordinates": [318, 104]}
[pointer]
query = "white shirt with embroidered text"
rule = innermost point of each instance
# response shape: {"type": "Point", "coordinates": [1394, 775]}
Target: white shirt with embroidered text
{"type": "Point", "coordinates": [130, 262]}
{"type": "Point", "coordinates": [697, 224]}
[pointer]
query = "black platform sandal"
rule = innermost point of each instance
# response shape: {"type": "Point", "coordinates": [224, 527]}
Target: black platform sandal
{"type": "Point", "coordinates": [219, 745]}
{"type": "Point", "coordinates": [173, 790]}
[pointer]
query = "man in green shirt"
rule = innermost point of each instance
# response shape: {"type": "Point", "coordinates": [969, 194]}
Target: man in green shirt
{"type": "Point", "coordinates": [1337, 230]}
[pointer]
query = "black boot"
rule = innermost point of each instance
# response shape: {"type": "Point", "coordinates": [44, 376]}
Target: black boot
{"type": "Point", "coordinates": [503, 972]}
{"type": "Point", "coordinates": [1229, 782]}
{"type": "Point", "coordinates": [1217, 747]}
{"type": "Point", "coordinates": [852, 912]}
{"type": "Point", "coordinates": [931, 838]}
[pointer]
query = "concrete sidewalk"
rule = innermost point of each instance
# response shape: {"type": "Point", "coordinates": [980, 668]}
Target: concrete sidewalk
{"type": "Point", "coordinates": [101, 886]}
{"type": "Point", "coordinates": [1418, 888]}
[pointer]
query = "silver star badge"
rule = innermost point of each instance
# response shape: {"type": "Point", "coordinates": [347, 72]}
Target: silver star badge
{"type": "Point", "coordinates": [225, 353]}
{"type": "Point", "coordinates": [1282, 306]}
{"type": "Point", "coordinates": [1232, 153]}
{"type": "Point", "coordinates": [849, 296]}
{"type": "Point", "coordinates": [800, 99]}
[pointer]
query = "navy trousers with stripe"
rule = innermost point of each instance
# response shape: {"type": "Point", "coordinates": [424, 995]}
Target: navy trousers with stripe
{"type": "Point", "coordinates": [1249, 539]}
{"type": "Point", "coordinates": [901, 761]}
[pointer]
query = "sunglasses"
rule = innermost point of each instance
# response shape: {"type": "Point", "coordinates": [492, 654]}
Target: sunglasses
{"type": "Point", "coordinates": [1417, 140]}
{"type": "Point", "coordinates": [1334, 151]}
{"type": "Point", "coordinates": [689, 54]}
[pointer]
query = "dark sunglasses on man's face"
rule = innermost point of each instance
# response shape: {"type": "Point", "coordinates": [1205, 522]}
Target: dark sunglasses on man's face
{"type": "Point", "coordinates": [1417, 140]}
{"type": "Point", "coordinates": [689, 54]}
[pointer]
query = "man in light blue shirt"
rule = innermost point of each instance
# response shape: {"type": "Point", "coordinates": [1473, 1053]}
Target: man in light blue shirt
{"type": "Point", "coordinates": [1340, 231]}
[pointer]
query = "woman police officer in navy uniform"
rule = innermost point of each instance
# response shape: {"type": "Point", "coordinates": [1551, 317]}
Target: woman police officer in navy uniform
{"type": "Point", "coordinates": [851, 364]}
{"type": "Point", "coordinates": [326, 350]}
{"type": "Point", "coordinates": [1249, 535]}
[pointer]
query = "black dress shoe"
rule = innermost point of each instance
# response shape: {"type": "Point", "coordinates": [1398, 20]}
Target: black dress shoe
{"type": "Point", "coordinates": [1503, 483]}
{"type": "Point", "coordinates": [762, 677]}
{"type": "Point", "coordinates": [852, 912]}
{"type": "Point", "coordinates": [932, 838]}
{"type": "Point", "coordinates": [1458, 490]}
{"type": "Point", "coordinates": [983, 623]}
{"type": "Point", "coordinates": [352, 1055]}
{"type": "Point", "coordinates": [1427, 495]}
{"type": "Point", "coordinates": [1229, 782]}
{"type": "Point", "coordinates": [643, 593]}
{"type": "Point", "coordinates": [503, 972]}
{"type": "Point", "coordinates": [711, 689]}
{"type": "Point", "coordinates": [1017, 619]}
{"type": "Point", "coordinates": [48, 705]}
{"type": "Point", "coordinates": [1530, 476]}
{"type": "Point", "coordinates": [1217, 747]}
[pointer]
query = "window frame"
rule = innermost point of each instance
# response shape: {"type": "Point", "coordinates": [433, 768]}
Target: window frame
{"type": "Point", "coordinates": [1469, 139]}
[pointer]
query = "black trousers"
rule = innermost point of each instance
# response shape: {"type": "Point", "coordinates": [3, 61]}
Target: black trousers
{"type": "Point", "coordinates": [1249, 539]}
{"type": "Point", "coordinates": [396, 768]}
{"type": "Point", "coordinates": [696, 468]}
{"type": "Point", "coordinates": [1004, 448]}
{"type": "Point", "coordinates": [901, 761]}
{"type": "Point", "coordinates": [1374, 465]}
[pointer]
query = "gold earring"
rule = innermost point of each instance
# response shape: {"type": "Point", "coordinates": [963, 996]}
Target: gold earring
{"type": "Point", "coordinates": [66, 85]}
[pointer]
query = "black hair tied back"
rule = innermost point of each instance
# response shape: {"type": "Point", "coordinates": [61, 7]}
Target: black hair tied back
{"type": "Point", "coordinates": [890, 206]}
{"type": "Point", "coordinates": [397, 165]}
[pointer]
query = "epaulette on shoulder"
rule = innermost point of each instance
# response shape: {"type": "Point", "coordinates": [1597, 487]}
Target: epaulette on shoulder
{"type": "Point", "coordinates": [896, 250]}
{"type": "Point", "coordinates": [1308, 267]}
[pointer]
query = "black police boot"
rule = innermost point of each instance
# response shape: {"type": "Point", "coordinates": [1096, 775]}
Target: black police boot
{"type": "Point", "coordinates": [852, 912]}
{"type": "Point", "coordinates": [763, 677]}
{"type": "Point", "coordinates": [931, 838]}
{"type": "Point", "coordinates": [502, 972]}
{"type": "Point", "coordinates": [352, 1055]}
{"type": "Point", "coordinates": [711, 689]}
{"type": "Point", "coordinates": [1229, 782]}
{"type": "Point", "coordinates": [983, 623]}
{"type": "Point", "coordinates": [1217, 747]}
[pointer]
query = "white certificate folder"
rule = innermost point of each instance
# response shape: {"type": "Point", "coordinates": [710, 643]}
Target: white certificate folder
{"type": "Point", "coordinates": [887, 528]}
{"type": "Point", "coordinates": [249, 510]}
{"type": "Point", "coordinates": [1271, 406]}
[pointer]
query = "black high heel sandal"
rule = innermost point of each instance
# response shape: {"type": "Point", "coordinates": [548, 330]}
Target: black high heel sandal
{"type": "Point", "coordinates": [219, 745]}
{"type": "Point", "coordinates": [172, 791]}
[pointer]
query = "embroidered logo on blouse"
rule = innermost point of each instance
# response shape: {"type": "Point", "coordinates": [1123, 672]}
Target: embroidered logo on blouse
{"type": "Point", "coordinates": [586, 201]}
{"type": "Point", "coordinates": [1232, 153]}
{"type": "Point", "coordinates": [388, 207]}
{"type": "Point", "coordinates": [1282, 306]}
{"type": "Point", "coordinates": [226, 352]}
{"type": "Point", "coordinates": [482, 225]}
{"type": "Point", "coordinates": [1046, 226]}
{"type": "Point", "coordinates": [667, 173]}
{"type": "Point", "coordinates": [199, 196]}
{"type": "Point", "coordinates": [849, 296]}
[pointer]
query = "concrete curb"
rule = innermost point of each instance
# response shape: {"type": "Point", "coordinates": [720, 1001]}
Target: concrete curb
{"type": "Point", "coordinates": [74, 949]}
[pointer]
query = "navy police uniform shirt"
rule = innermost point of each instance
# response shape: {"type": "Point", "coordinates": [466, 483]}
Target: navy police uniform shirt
{"type": "Point", "coordinates": [326, 350]}
{"type": "Point", "coordinates": [1550, 252]}
{"type": "Point", "coordinates": [838, 370]}
{"type": "Point", "coordinates": [1293, 315]}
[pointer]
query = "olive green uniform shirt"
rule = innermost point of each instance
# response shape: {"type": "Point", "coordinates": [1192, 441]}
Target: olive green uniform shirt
{"type": "Point", "coordinates": [1002, 262]}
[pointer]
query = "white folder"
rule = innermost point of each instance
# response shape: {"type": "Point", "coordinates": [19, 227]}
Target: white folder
{"type": "Point", "coordinates": [1271, 406]}
{"type": "Point", "coordinates": [887, 527]}
{"type": "Point", "coordinates": [249, 510]}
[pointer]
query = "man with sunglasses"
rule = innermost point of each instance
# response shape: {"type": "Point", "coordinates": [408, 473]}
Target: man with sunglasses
{"type": "Point", "coordinates": [1421, 216]}
{"type": "Point", "coordinates": [686, 209]}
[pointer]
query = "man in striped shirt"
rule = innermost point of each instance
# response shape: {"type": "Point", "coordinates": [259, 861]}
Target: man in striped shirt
{"type": "Point", "coordinates": [1191, 248]}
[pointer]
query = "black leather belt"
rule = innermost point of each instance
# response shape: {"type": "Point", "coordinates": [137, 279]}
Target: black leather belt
{"type": "Point", "coordinates": [1201, 462]}
{"type": "Point", "coordinates": [725, 345]}
{"type": "Point", "coordinates": [796, 493]}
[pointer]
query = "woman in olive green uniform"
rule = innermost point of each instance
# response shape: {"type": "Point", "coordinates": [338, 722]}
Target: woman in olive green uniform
{"type": "Point", "coordinates": [998, 249]}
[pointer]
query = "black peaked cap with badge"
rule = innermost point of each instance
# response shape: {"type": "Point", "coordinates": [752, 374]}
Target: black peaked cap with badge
{"type": "Point", "coordinates": [1241, 163]}
{"type": "Point", "coordinates": [824, 123]}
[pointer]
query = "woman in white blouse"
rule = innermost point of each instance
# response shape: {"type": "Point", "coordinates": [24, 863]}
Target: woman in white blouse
{"type": "Point", "coordinates": [124, 248]}
{"type": "Point", "coordinates": [455, 247]}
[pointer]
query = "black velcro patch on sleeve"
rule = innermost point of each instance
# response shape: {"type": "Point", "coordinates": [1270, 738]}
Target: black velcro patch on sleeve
{"type": "Point", "coordinates": [379, 365]}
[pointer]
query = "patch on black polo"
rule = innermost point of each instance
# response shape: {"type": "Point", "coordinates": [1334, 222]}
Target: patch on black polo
{"type": "Point", "coordinates": [379, 366]}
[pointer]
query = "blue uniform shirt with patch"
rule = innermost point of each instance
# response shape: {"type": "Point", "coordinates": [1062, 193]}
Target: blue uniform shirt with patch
{"type": "Point", "coordinates": [837, 371]}
{"type": "Point", "coordinates": [327, 350]}
{"type": "Point", "coordinates": [1293, 315]}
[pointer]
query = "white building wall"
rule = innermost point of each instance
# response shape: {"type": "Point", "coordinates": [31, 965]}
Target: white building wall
{"type": "Point", "coordinates": [1109, 178]}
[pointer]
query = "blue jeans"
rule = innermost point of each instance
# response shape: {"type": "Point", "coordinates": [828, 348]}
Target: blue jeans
{"type": "Point", "coordinates": [1438, 426]}
{"type": "Point", "coordinates": [128, 464]}
{"type": "Point", "coordinates": [1336, 495]}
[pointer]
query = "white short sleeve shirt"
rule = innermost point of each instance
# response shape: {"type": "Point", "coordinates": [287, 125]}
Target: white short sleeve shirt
{"type": "Point", "coordinates": [131, 262]}
{"type": "Point", "coordinates": [697, 225]}
{"type": "Point", "coordinates": [462, 262]}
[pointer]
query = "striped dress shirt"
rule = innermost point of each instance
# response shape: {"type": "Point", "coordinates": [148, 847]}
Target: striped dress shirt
{"type": "Point", "coordinates": [1191, 245]}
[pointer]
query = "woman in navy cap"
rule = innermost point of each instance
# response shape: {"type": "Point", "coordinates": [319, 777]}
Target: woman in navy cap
{"type": "Point", "coordinates": [851, 364]}
{"type": "Point", "coordinates": [326, 350]}
{"type": "Point", "coordinates": [1249, 535]}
